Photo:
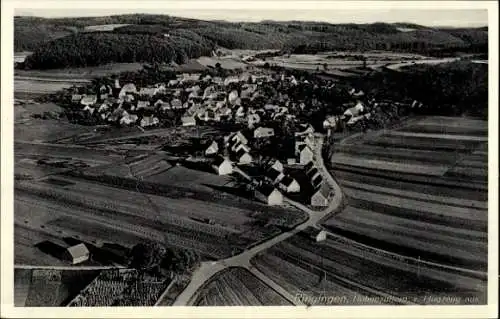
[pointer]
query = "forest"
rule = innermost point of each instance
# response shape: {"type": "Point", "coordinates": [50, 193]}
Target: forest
{"type": "Point", "coordinates": [160, 38]}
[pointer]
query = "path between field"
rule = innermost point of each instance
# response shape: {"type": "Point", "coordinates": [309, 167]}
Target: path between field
{"type": "Point", "coordinates": [208, 270]}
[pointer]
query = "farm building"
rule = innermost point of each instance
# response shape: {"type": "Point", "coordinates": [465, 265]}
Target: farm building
{"type": "Point", "coordinates": [89, 100]}
{"type": "Point", "coordinates": [188, 121]}
{"type": "Point", "coordinates": [162, 105]}
{"type": "Point", "coordinates": [76, 98]}
{"type": "Point", "coordinates": [77, 254]}
{"type": "Point", "coordinates": [305, 129]}
{"type": "Point", "coordinates": [149, 121]}
{"type": "Point", "coordinates": [128, 88]}
{"type": "Point", "coordinates": [269, 195]}
{"type": "Point", "coordinates": [253, 119]}
{"type": "Point", "coordinates": [233, 96]}
{"type": "Point", "coordinates": [355, 110]}
{"type": "Point", "coordinates": [237, 137]}
{"type": "Point", "coordinates": [148, 91]}
{"type": "Point", "coordinates": [231, 79]}
{"type": "Point", "coordinates": [274, 176]}
{"type": "Point", "coordinates": [263, 132]}
{"type": "Point", "coordinates": [240, 146]}
{"type": "Point", "coordinates": [142, 104]}
{"type": "Point", "coordinates": [173, 82]}
{"type": "Point", "coordinates": [277, 165]}
{"type": "Point", "coordinates": [187, 77]}
{"type": "Point", "coordinates": [176, 104]}
{"type": "Point", "coordinates": [309, 166]}
{"type": "Point", "coordinates": [89, 109]}
{"type": "Point", "coordinates": [243, 157]}
{"type": "Point", "coordinates": [128, 119]}
{"type": "Point", "coordinates": [321, 196]}
{"type": "Point", "coordinates": [289, 185]}
{"type": "Point", "coordinates": [305, 154]}
{"type": "Point", "coordinates": [222, 166]}
{"type": "Point", "coordinates": [312, 173]}
{"type": "Point", "coordinates": [213, 148]}
{"type": "Point", "coordinates": [316, 181]}
{"type": "Point", "coordinates": [330, 122]}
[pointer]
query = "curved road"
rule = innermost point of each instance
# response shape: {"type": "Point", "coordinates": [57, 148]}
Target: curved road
{"type": "Point", "coordinates": [209, 269]}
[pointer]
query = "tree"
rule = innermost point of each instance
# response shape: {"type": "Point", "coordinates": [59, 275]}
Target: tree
{"type": "Point", "coordinates": [147, 256]}
{"type": "Point", "coordinates": [325, 66]}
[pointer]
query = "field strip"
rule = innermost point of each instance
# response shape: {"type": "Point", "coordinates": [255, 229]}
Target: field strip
{"type": "Point", "coordinates": [424, 207]}
{"type": "Point", "coordinates": [410, 223]}
{"type": "Point", "coordinates": [341, 279]}
{"type": "Point", "coordinates": [437, 170]}
{"type": "Point", "coordinates": [453, 122]}
{"type": "Point", "coordinates": [442, 136]}
{"type": "Point", "coordinates": [274, 286]}
{"type": "Point", "coordinates": [405, 259]}
{"type": "Point", "coordinates": [45, 79]}
{"type": "Point", "coordinates": [416, 195]}
{"type": "Point", "coordinates": [480, 153]}
{"type": "Point", "coordinates": [474, 163]}
{"type": "Point", "coordinates": [402, 236]}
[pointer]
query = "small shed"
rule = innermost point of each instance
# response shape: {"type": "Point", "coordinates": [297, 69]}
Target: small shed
{"type": "Point", "coordinates": [77, 253]}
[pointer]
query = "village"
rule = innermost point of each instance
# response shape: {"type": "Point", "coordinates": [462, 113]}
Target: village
{"type": "Point", "coordinates": [268, 139]}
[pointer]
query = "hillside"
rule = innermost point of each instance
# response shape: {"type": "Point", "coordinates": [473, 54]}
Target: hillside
{"type": "Point", "coordinates": [57, 42]}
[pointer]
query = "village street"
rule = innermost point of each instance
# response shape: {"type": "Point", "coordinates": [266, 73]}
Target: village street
{"type": "Point", "coordinates": [209, 269]}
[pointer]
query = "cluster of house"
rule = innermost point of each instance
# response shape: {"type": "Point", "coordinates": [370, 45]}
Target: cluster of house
{"type": "Point", "coordinates": [275, 180]}
{"type": "Point", "coordinates": [199, 99]}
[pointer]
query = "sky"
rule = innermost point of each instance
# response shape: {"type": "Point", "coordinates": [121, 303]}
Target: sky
{"type": "Point", "coordinates": [428, 17]}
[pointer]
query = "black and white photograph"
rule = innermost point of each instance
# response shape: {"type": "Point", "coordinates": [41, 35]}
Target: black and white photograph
{"type": "Point", "coordinates": [208, 158]}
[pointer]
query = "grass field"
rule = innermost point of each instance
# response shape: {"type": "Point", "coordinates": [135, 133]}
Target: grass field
{"type": "Point", "coordinates": [442, 218]}
{"type": "Point", "coordinates": [238, 287]}
{"type": "Point", "coordinates": [49, 288]}
{"type": "Point", "coordinates": [99, 211]}
{"type": "Point", "coordinates": [36, 130]}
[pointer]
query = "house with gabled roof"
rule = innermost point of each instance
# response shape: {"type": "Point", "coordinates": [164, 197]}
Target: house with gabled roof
{"type": "Point", "coordinates": [321, 196]}
{"type": "Point", "coordinates": [188, 121]}
{"type": "Point", "coordinates": [88, 100]}
{"type": "Point", "coordinates": [305, 154]}
{"type": "Point", "coordinates": [277, 165]}
{"type": "Point", "coordinates": [222, 166]}
{"type": "Point", "coordinates": [212, 149]}
{"type": "Point", "coordinates": [149, 121]}
{"type": "Point", "coordinates": [263, 132]}
{"type": "Point", "coordinates": [237, 137]}
{"type": "Point", "coordinates": [240, 146]}
{"type": "Point", "coordinates": [76, 98]}
{"type": "Point", "coordinates": [274, 176]}
{"type": "Point", "coordinates": [243, 157]}
{"type": "Point", "coordinates": [269, 195]}
{"type": "Point", "coordinates": [289, 185]}
{"type": "Point", "coordinates": [128, 88]}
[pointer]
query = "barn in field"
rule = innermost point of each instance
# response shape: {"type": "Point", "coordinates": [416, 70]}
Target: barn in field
{"type": "Point", "coordinates": [77, 253]}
